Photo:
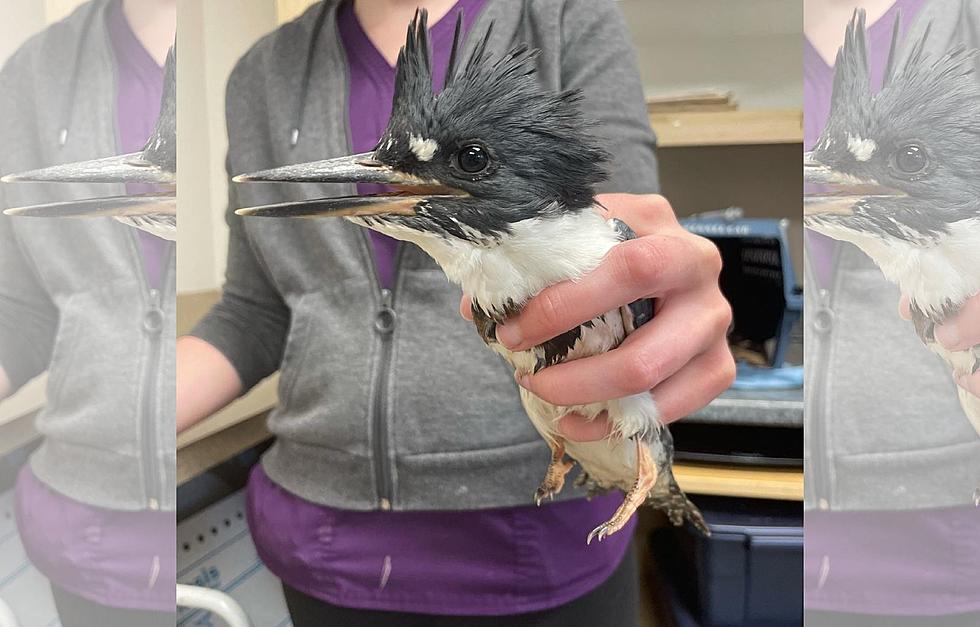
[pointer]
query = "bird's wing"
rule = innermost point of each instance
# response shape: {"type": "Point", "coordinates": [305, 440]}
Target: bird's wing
{"type": "Point", "coordinates": [162, 225]}
{"type": "Point", "coordinates": [153, 213]}
{"type": "Point", "coordinates": [639, 312]}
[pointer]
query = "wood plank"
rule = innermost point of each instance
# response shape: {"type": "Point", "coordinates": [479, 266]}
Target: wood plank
{"type": "Point", "coordinates": [784, 484]}
{"type": "Point", "coordinates": [728, 128]}
{"type": "Point", "coordinates": [204, 454]}
{"type": "Point", "coordinates": [260, 400]}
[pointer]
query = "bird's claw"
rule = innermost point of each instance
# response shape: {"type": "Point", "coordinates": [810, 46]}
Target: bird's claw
{"type": "Point", "coordinates": [543, 493]}
{"type": "Point", "coordinates": [600, 533]}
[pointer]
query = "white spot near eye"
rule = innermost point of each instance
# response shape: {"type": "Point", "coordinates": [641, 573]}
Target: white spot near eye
{"type": "Point", "coordinates": [424, 149]}
{"type": "Point", "coordinates": [862, 149]}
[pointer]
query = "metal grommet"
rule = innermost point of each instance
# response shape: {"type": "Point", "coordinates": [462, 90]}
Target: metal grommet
{"type": "Point", "coordinates": [823, 320]}
{"type": "Point", "coordinates": [153, 321]}
{"type": "Point", "coordinates": [384, 321]}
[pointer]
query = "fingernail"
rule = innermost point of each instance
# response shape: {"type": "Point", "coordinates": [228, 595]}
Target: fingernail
{"type": "Point", "coordinates": [509, 335]}
{"type": "Point", "coordinates": [964, 382]}
{"type": "Point", "coordinates": [523, 380]}
{"type": "Point", "coordinates": [948, 334]}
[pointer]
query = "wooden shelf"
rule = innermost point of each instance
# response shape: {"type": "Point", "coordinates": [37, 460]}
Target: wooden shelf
{"type": "Point", "coordinates": [785, 484]}
{"type": "Point", "coordinates": [728, 128]}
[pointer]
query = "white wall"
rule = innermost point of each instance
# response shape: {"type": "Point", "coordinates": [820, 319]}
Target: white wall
{"type": "Point", "coordinates": [212, 35]}
{"type": "Point", "coordinates": [752, 47]}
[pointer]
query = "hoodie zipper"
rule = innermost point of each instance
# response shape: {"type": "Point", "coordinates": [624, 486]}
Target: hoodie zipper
{"type": "Point", "coordinates": [824, 319]}
{"type": "Point", "coordinates": [152, 326]}
{"type": "Point", "coordinates": [385, 318]}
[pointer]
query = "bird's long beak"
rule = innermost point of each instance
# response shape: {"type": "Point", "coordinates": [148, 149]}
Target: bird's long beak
{"type": "Point", "coordinates": [131, 168]}
{"type": "Point", "coordinates": [108, 207]}
{"type": "Point", "coordinates": [360, 168]}
{"type": "Point", "coordinates": [829, 191]}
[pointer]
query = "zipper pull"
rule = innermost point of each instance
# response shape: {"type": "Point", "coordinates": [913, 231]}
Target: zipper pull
{"type": "Point", "coordinates": [823, 317]}
{"type": "Point", "coordinates": [384, 320]}
{"type": "Point", "coordinates": [153, 317]}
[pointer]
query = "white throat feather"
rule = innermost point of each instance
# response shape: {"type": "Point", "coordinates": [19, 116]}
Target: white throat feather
{"type": "Point", "coordinates": [508, 271]}
{"type": "Point", "coordinates": [936, 276]}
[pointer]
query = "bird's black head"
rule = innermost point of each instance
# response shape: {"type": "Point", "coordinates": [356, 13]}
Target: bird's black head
{"type": "Point", "coordinates": [901, 163]}
{"type": "Point", "coordinates": [491, 149]}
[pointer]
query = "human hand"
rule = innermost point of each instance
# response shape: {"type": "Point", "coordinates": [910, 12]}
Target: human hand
{"type": "Point", "coordinates": [960, 332]}
{"type": "Point", "coordinates": [682, 355]}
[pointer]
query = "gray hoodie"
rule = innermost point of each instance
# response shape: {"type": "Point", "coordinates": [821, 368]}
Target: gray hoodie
{"type": "Point", "coordinates": [390, 401]}
{"type": "Point", "coordinates": [73, 293]}
{"type": "Point", "coordinates": [884, 428]}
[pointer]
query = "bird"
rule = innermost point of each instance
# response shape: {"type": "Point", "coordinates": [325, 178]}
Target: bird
{"type": "Point", "coordinates": [897, 173]}
{"type": "Point", "coordinates": [156, 164]}
{"type": "Point", "coordinates": [494, 178]}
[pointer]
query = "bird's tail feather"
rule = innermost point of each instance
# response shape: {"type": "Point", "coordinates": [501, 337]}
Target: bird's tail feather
{"type": "Point", "coordinates": [668, 497]}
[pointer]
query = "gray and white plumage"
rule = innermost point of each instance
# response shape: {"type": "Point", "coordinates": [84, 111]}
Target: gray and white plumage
{"type": "Point", "coordinates": [155, 164]}
{"type": "Point", "coordinates": [494, 178]}
{"type": "Point", "coordinates": [897, 173]}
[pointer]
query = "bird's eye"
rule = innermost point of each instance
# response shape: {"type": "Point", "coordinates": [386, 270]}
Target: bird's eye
{"type": "Point", "coordinates": [911, 159]}
{"type": "Point", "coordinates": [472, 159]}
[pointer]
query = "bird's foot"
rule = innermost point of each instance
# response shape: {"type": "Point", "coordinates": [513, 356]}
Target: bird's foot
{"type": "Point", "coordinates": [549, 488]}
{"type": "Point", "coordinates": [554, 478]}
{"type": "Point", "coordinates": [668, 497]}
{"type": "Point", "coordinates": [646, 477]}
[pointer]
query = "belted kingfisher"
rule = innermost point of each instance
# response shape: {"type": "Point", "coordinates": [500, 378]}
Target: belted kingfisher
{"type": "Point", "coordinates": [156, 164]}
{"type": "Point", "coordinates": [494, 179]}
{"type": "Point", "coordinates": [897, 173]}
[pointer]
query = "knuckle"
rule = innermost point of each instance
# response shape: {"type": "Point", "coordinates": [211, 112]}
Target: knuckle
{"type": "Point", "coordinates": [709, 255]}
{"type": "Point", "coordinates": [726, 371]}
{"type": "Point", "coordinates": [643, 371]}
{"type": "Point", "coordinates": [724, 317]}
{"type": "Point", "coordinates": [658, 206]}
{"type": "Point", "coordinates": [644, 262]}
{"type": "Point", "coordinates": [551, 307]}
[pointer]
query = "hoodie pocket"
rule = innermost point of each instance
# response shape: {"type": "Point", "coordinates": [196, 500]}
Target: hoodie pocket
{"type": "Point", "coordinates": [297, 348]}
{"type": "Point", "coordinates": [63, 354]}
{"type": "Point", "coordinates": [451, 392]}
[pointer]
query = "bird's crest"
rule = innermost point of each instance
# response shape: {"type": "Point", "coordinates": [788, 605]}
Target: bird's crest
{"type": "Point", "coordinates": [852, 75]}
{"type": "Point", "coordinates": [905, 64]}
{"type": "Point", "coordinates": [161, 147]}
{"type": "Point", "coordinates": [413, 73]}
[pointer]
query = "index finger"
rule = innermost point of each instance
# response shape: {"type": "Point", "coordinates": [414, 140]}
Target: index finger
{"type": "Point", "coordinates": [641, 268]}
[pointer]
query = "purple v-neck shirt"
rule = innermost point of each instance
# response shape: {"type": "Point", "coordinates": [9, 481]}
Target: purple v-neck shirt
{"type": "Point", "coordinates": [486, 562]}
{"type": "Point", "coordinates": [916, 563]}
{"type": "Point", "coordinates": [124, 559]}
{"type": "Point", "coordinates": [139, 90]}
